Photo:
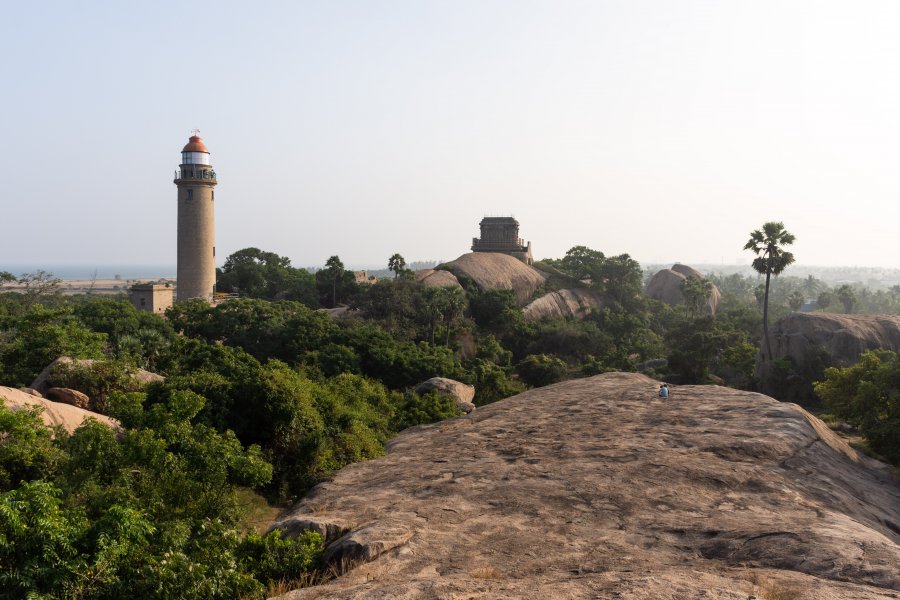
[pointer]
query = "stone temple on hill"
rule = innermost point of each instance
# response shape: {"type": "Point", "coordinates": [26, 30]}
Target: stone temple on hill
{"type": "Point", "coordinates": [501, 234]}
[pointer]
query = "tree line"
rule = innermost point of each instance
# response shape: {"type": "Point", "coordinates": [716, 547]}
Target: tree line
{"type": "Point", "coordinates": [268, 393]}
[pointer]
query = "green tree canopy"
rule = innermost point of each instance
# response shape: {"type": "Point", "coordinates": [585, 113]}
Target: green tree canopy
{"type": "Point", "coordinates": [696, 293]}
{"type": "Point", "coordinates": [31, 341]}
{"type": "Point", "coordinates": [618, 277]}
{"type": "Point", "coordinates": [847, 297]}
{"type": "Point", "coordinates": [260, 274]}
{"type": "Point", "coordinates": [868, 396]}
{"type": "Point", "coordinates": [335, 284]}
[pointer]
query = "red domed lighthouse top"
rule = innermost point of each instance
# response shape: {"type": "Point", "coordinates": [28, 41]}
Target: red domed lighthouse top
{"type": "Point", "coordinates": [195, 152]}
{"type": "Point", "coordinates": [195, 144]}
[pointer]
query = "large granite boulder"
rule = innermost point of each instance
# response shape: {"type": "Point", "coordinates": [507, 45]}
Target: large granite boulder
{"type": "Point", "coordinates": [462, 393]}
{"type": "Point", "coordinates": [492, 271]}
{"type": "Point", "coordinates": [595, 488]}
{"type": "Point", "coordinates": [437, 278]}
{"type": "Point", "coordinates": [578, 303]}
{"type": "Point", "coordinates": [69, 396]}
{"type": "Point", "coordinates": [842, 337]}
{"type": "Point", "coordinates": [665, 286]}
{"type": "Point", "coordinates": [54, 413]}
{"type": "Point", "coordinates": [811, 342]}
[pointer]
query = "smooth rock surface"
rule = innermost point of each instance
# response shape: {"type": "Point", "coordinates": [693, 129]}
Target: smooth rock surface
{"type": "Point", "coordinates": [577, 303]}
{"type": "Point", "coordinates": [69, 396]}
{"type": "Point", "coordinates": [493, 271]}
{"type": "Point", "coordinates": [595, 488]}
{"type": "Point", "coordinates": [843, 337]}
{"type": "Point", "coordinates": [437, 278]}
{"type": "Point", "coordinates": [815, 341]}
{"type": "Point", "coordinates": [54, 413]}
{"type": "Point", "coordinates": [462, 393]}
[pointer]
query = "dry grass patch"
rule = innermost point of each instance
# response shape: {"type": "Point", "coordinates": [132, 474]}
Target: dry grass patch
{"type": "Point", "coordinates": [319, 509]}
{"type": "Point", "coordinates": [487, 572]}
{"type": "Point", "coordinates": [258, 513]}
{"type": "Point", "coordinates": [313, 578]}
{"type": "Point", "coordinates": [770, 589]}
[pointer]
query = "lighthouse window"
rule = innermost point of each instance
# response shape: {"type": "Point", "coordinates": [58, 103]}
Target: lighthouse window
{"type": "Point", "coordinates": [190, 194]}
{"type": "Point", "coordinates": [214, 195]}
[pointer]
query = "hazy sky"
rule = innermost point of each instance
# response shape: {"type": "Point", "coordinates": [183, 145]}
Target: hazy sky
{"type": "Point", "coordinates": [665, 129]}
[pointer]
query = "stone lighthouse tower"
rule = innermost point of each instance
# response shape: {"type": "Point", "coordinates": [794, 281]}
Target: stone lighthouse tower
{"type": "Point", "coordinates": [196, 182]}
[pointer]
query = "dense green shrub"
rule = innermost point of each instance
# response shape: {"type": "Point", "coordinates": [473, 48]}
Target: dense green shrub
{"type": "Point", "coordinates": [415, 409]}
{"type": "Point", "coordinates": [272, 558]}
{"type": "Point", "coordinates": [27, 450]}
{"type": "Point", "coordinates": [149, 511]}
{"type": "Point", "coordinates": [538, 370]}
{"type": "Point", "coordinates": [491, 382]}
{"type": "Point", "coordinates": [868, 396]}
{"type": "Point", "coordinates": [138, 337]}
{"type": "Point", "coordinates": [98, 380]}
{"type": "Point", "coordinates": [31, 341]}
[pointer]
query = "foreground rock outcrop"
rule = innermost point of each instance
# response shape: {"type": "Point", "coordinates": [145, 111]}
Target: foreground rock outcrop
{"type": "Point", "coordinates": [665, 286]}
{"type": "Point", "coordinates": [493, 271]}
{"type": "Point", "coordinates": [577, 303]}
{"type": "Point", "coordinates": [54, 413]}
{"type": "Point", "coordinates": [595, 488]}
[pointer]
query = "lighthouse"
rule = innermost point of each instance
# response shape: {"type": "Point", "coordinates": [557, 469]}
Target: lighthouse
{"type": "Point", "coordinates": [196, 182]}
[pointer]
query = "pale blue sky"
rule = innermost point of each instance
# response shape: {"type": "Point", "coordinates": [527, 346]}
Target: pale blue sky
{"type": "Point", "coordinates": [665, 129]}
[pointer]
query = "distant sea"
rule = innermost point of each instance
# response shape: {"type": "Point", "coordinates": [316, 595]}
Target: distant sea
{"type": "Point", "coordinates": [102, 271]}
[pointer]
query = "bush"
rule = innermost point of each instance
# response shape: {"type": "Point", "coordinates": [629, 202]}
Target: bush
{"type": "Point", "coordinates": [491, 382]}
{"type": "Point", "coordinates": [31, 342]}
{"type": "Point", "coordinates": [37, 541]}
{"type": "Point", "coordinates": [867, 395]}
{"type": "Point", "coordinates": [272, 558]}
{"type": "Point", "coordinates": [538, 370]}
{"type": "Point", "coordinates": [418, 409]}
{"type": "Point", "coordinates": [27, 450]}
{"type": "Point", "coordinates": [98, 380]}
{"type": "Point", "coordinates": [149, 511]}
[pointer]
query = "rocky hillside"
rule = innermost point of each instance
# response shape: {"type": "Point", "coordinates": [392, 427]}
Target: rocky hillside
{"type": "Point", "coordinates": [492, 271]}
{"type": "Point", "coordinates": [595, 488]}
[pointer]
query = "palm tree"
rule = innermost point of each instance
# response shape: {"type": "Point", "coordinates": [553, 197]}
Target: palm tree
{"type": "Point", "coordinates": [335, 271]}
{"type": "Point", "coordinates": [771, 259]}
{"type": "Point", "coordinates": [396, 264]}
{"type": "Point", "coordinates": [847, 297]}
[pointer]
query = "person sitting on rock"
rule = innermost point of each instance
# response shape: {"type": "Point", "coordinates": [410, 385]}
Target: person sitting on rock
{"type": "Point", "coordinates": [664, 390]}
